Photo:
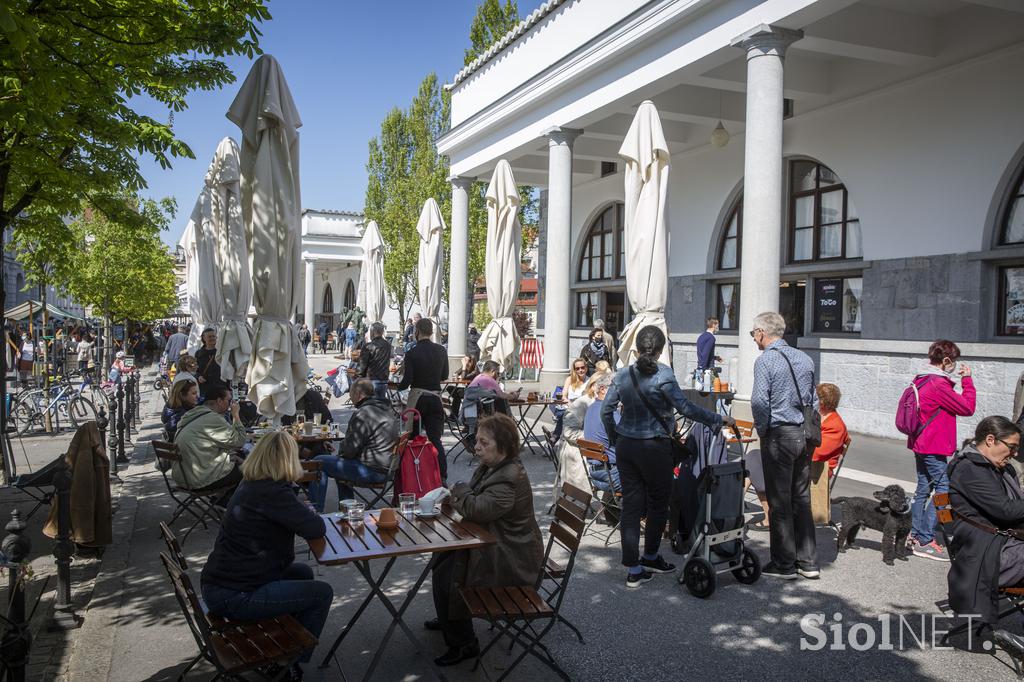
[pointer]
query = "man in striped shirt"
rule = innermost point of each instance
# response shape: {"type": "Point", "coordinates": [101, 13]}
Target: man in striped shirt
{"type": "Point", "coordinates": [783, 382]}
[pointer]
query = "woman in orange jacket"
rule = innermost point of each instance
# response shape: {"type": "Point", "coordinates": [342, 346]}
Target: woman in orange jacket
{"type": "Point", "coordinates": [833, 428]}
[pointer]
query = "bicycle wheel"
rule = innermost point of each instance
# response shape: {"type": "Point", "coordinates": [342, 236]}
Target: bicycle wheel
{"type": "Point", "coordinates": [81, 410]}
{"type": "Point", "coordinates": [25, 412]}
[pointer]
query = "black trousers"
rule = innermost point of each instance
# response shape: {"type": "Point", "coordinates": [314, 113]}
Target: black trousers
{"type": "Point", "coordinates": [457, 632]}
{"type": "Point", "coordinates": [786, 460]}
{"type": "Point", "coordinates": [432, 412]}
{"type": "Point", "coordinates": [645, 471]}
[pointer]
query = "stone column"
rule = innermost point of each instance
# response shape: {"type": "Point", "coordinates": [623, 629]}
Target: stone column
{"type": "Point", "coordinates": [762, 186]}
{"type": "Point", "coordinates": [459, 285]}
{"type": "Point", "coordinates": [307, 310]}
{"type": "Point", "coordinates": [558, 254]}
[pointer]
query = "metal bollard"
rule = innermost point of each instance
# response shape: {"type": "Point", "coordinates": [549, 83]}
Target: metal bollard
{"type": "Point", "coordinates": [64, 617]}
{"type": "Point", "coordinates": [102, 422]}
{"type": "Point", "coordinates": [121, 459]}
{"type": "Point", "coordinates": [17, 639]}
{"type": "Point", "coordinates": [112, 435]}
{"type": "Point", "coordinates": [129, 400]}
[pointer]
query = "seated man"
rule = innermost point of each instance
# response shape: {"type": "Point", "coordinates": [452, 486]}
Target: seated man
{"type": "Point", "coordinates": [488, 380]}
{"type": "Point", "coordinates": [365, 453]}
{"type": "Point", "coordinates": [593, 430]}
{"type": "Point", "coordinates": [207, 443]}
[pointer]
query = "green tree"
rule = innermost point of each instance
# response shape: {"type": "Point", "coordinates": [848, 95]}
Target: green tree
{"type": "Point", "coordinates": [490, 23]}
{"type": "Point", "coordinates": [71, 74]}
{"type": "Point", "coordinates": [119, 264]}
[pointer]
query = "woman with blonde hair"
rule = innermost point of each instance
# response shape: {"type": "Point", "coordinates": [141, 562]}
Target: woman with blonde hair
{"type": "Point", "coordinates": [252, 573]}
{"type": "Point", "coordinates": [187, 368]}
{"type": "Point", "coordinates": [184, 396]}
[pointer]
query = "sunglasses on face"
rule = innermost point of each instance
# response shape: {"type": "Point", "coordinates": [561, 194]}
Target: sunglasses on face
{"type": "Point", "coordinates": [755, 331]}
{"type": "Point", "coordinates": [580, 369]}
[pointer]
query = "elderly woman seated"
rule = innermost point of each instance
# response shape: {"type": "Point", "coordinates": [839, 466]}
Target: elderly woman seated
{"type": "Point", "coordinates": [986, 500]}
{"type": "Point", "coordinates": [499, 498]}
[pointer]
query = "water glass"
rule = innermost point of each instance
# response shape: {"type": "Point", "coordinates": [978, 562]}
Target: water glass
{"type": "Point", "coordinates": [300, 419]}
{"type": "Point", "coordinates": [355, 513]}
{"type": "Point", "coordinates": [407, 503]}
{"type": "Point", "coordinates": [343, 507]}
{"type": "Point", "coordinates": [316, 419]}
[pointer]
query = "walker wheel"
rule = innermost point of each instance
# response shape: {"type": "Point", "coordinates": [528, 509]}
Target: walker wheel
{"type": "Point", "coordinates": [699, 577]}
{"type": "Point", "coordinates": [749, 569]}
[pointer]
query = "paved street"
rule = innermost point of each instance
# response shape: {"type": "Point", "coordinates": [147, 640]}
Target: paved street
{"type": "Point", "coordinates": [134, 631]}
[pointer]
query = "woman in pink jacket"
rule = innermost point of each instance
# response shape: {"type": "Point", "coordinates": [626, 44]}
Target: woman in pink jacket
{"type": "Point", "coordinates": [940, 405]}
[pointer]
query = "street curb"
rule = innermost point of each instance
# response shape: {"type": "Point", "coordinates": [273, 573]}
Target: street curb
{"type": "Point", "coordinates": [92, 657]}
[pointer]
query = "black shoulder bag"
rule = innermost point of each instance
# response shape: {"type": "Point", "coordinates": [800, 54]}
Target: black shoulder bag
{"type": "Point", "coordinates": [680, 452]}
{"type": "Point", "coordinates": [812, 419]}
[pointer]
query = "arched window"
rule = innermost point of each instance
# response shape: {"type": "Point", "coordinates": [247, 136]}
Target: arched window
{"type": "Point", "coordinates": [823, 223]}
{"type": "Point", "coordinates": [328, 299]}
{"type": "Point", "coordinates": [603, 251]}
{"type": "Point", "coordinates": [1013, 219]}
{"type": "Point", "coordinates": [732, 239]}
{"type": "Point", "coordinates": [350, 295]}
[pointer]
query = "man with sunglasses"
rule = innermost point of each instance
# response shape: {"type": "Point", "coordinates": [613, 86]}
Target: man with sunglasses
{"type": "Point", "coordinates": [783, 385]}
{"type": "Point", "coordinates": [208, 444]}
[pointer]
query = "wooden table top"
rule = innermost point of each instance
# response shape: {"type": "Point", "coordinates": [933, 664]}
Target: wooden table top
{"type": "Point", "coordinates": [302, 438]}
{"type": "Point", "coordinates": [523, 402]}
{"type": "Point", "coordinates": [443, 533]}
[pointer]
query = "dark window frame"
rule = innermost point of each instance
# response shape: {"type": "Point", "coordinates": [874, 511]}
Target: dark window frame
{"type": "Point", "coordinates": [817, 226]}
{"type": "Point", "coordinates": [1016, 196]}
{"type": "Point", "coordinates": [600, 226]}
{"type": "Point", "coordinates": [1002, 307]}
{"type": "Point", "coordinates": [719, 314]}
{"type": "Point", "coordinates": [737, 213]}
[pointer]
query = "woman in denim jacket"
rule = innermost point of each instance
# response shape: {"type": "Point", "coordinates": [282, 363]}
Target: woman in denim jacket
{"type": "Point", "coordinates": [644, 451]}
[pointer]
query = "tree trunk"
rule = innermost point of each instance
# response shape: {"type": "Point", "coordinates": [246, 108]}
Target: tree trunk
{"type": "Point", "coordinates": [47, 421]}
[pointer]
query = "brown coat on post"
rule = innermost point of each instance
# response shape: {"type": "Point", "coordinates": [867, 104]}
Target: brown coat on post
{"type": "Point", "coordinates": [501, 500]}
{"type": "Point", "coordinates": [90, 490]}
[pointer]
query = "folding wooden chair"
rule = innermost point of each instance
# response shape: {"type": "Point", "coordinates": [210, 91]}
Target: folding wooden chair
{"type": "Point", "coordinates": [237, 647]}
{"type": "Point", "coordinates": [376, 492]}
{"type": "Point", "coordinates": [513, 611]}
{"type": "Point", "coordinates": [199, 504]}
{"type": "Point", "coordinates": [609, 500]}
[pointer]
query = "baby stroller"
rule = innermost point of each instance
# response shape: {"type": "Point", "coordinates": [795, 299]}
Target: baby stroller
{"type": "Point", "coordinates": [717, 533]}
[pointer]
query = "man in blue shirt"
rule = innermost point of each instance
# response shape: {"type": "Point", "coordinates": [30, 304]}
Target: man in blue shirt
{"type": "Point", "coordinates": [593, 430]}
{"type": "Point", "coordinates": [783, 381]}
{"type": "Point", "coordinates": [706, 346]}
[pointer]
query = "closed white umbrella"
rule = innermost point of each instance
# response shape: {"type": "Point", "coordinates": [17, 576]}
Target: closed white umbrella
{"type": "Point", "coordinates": [202, 281]}
{"type": "Point", "coordinates": [271, 210]}
{"type": "Point", "coordinates": [234, 335]}
{"type": "Point", "coordinates": [189, 247]}
{"type": "Point", "coordinates": [499, 339]}
{"type": "Point", "coordinates": [372, 273]}
{"type": "Point", "coordinates": [431, 262]}
{"type": "Point", "coordinates": [646, 228]}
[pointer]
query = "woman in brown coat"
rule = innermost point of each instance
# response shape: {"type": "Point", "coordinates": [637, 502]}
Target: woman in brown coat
{"type": "Point", "coordinates": [499, 498]}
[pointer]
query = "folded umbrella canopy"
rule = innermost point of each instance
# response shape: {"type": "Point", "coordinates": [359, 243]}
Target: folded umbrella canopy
{"type": "Point", "coordinates": [499, 339]}
{"type": "Point", "coordinates": [646, 229]}
{"type": "Point", "coordinates": [271, 211]}
{"type": "Point", "coordinates": [431, 261]}
{"type": "Point", "coordinates": [203, 279]}
{"type": "Point", "coordinates": [234, 335]}
{"type": "Point", "coordinates": [372, 274]}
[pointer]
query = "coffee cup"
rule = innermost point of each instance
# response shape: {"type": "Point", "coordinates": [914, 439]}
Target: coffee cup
{"type": "Point", "coordinates": [427, 507]}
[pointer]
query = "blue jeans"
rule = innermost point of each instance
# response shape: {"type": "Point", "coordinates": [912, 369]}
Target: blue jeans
{"type": "Point", "coordinates": [931, 476]}
{"type": "Point", "coordinates": [600, 478]}
{"type": "Point", "coordinates": [339, 467]}
{"type": "Point", "coordinates": [295, 594]}
{"type": "Point", "coordinates": [380, 389]}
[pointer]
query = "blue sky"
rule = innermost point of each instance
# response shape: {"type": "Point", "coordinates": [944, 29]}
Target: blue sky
{"type": "Point", "coordinates": [348, 62]}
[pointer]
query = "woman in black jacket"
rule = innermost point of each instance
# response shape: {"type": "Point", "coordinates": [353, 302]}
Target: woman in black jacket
{"type": "Point", "coordinates": [252, 572]}
{"type": "Point", "coordinates": [985, 496]}
{"type": "Point", "coordinates": [184, 396]}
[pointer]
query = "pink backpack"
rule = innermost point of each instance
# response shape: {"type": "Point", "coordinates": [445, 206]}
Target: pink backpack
{"type": "Point", "coordinates": [418, 471]}
{"type": "Point", "coordinates": [908, 410]}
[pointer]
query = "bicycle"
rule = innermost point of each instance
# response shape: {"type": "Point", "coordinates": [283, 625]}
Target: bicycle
{"type": "Point", "coordinates": [31, 407]}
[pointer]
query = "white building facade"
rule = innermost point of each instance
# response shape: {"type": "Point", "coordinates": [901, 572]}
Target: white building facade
{"type": "Point", "coordinates": [332, 258]}
{"type": "Point", "coordinates": [870, 188]}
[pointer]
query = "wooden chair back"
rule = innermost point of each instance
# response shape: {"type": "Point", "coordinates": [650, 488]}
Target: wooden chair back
{"type": "Point", "coordinates": [311, 471]}
{"type": "Point", "coordinates": [943, 508]}
{"type": "Point", "coordinates": [746, 431]}
{"type": "Point", "coordinates": [173, 546]}
{"type": "Point", "coordinates": [166, 450]}
{"type": "Point", "coordinates": [591, 450]}
{"type": "Point", "coordinates": [188, 600]}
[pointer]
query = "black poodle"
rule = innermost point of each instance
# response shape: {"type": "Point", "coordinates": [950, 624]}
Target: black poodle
{"type": "Point", "coordinates": [889, 513]}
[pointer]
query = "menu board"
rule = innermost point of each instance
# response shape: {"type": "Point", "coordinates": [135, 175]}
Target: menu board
{"type": "Point", "coordinates": [828, 305]}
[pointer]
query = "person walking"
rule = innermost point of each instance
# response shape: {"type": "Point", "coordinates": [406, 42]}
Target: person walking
{"type": "Point", "coordinates": [375, 360]}
{"type": "Point", "coordinates": [783, 386]}
{"type": "Point", "coordinates": [323, 329]}
{"type": "Point", "coordinates": [706, 357]}
{"type": "Point", "coordinates": [350, 338]}
{"type": "Point", "coordinates": [595, 350]}
{"type": "Point", "coordinates": [424, 368]}
{"type": "Point", "coordinates": [177, 343]}
{"type": "Point", "coordinates": [939, 405]}
{"type": "Point", "coordinates": [650, 396]}
{"type": "Point", "coordinates": [84, 352]}
{"type": "Point", "coordinates": [304, 338]}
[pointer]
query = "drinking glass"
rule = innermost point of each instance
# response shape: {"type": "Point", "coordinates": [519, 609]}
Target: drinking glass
{"type": "Point", "coordinates": [407, 503]}
{"type": "Point", "coordinates": [356, 509]}
{"type": "Point", "coordinates": [316, 419]}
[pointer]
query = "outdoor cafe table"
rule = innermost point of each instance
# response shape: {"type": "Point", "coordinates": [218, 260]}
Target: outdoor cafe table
{"type": "Point", "coordinates": [524, 423]}
{"type": "Point", "coordinates": [344, 544]}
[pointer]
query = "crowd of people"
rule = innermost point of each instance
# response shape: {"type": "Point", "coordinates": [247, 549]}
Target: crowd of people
{"type": "Point", "coordinates": [631, 412]}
